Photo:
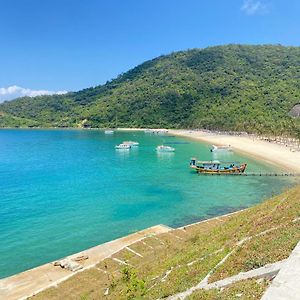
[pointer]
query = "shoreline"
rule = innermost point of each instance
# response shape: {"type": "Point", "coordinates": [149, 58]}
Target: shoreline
{"type": "Point", "coordinates": [22, 286]}
{"type": "Point", "coordinates": [269, 152]}
{"type": "Point", "coordinates": [47, 275]}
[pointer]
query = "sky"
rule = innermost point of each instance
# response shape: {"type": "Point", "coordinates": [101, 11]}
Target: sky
{"type": "Point", "coordinates": [55, 46]}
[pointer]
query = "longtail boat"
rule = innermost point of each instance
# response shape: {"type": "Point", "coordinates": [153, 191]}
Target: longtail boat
{"type": "Point", "coordinates": [217, 167]}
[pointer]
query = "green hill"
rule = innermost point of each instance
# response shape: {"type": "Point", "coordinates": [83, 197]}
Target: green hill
{"type": "Point", "coordinates": [7, 121]}
{"type": "Point", "coordinates": [233, 87]}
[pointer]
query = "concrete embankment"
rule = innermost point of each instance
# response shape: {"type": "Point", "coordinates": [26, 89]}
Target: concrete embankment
{"type": "Point", "coordinates": [286, 285]}
{"type": "Point", "coordinates": [28, 283]}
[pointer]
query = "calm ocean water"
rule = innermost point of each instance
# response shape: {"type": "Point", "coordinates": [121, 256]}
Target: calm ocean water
{"type": "Point", "coordinates": [62, 191]}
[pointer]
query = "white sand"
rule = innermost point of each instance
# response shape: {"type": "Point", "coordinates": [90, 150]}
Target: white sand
{"type": "Point", "coordinates": [269, 152]}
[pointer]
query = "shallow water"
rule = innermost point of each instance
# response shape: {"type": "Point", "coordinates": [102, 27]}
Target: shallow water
{"type": "Point", "coordinates": [62, 191]}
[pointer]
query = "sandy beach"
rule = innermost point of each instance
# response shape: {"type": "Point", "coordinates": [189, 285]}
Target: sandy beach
{"type": "Point", "coordinates": [270, 152]}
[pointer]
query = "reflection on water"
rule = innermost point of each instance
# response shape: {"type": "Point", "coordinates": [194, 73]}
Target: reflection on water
{"type": "Point", "coordinates": [165, 155]}
{"type": "Point", "coordinates": [123, 152]}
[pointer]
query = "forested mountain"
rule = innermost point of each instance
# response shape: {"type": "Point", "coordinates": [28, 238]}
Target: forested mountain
{"type": "Point", "coordinates": [233, 87]}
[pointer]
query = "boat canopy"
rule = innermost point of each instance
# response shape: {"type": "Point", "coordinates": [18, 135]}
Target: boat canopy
{"type": "Point", "coordinates": [217, 162]}
{"type": "Point", "coordinates": [212, 162]}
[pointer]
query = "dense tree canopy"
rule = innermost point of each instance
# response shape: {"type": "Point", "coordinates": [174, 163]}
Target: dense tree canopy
{"type": "Point", "coordinates": [233, 87]}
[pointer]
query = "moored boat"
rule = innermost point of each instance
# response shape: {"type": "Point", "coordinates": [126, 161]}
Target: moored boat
{"type": "Point", "coordinates": [161, 131]}
{"type": "Point", "coordinates": [109, 132]}
{"type": "Point", "coordinates": [131, 143]}
{"type": "Point", "coordinates": [221, 148]}
{"type": "Point", "coordinates": [156, 131]}
{"type": "Point", "coordinates": [123, 146]}
{"type": "Point", "coordinates": [163, 148]}
{"type": "Point", "coordinates": [217, 167]}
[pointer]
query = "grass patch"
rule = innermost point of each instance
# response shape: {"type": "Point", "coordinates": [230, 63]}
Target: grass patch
{"type": "Point", "coordinates": [246, 289]}
{"type": "Point", "coordinates": [259, 251]}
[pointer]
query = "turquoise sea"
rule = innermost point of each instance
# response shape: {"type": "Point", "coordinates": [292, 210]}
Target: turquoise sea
{"type": "Point", "coordinates": [62, 191]}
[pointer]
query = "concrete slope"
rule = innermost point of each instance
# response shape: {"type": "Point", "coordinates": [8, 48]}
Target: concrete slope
{"type": "Point", "coordinates": [286, 285]}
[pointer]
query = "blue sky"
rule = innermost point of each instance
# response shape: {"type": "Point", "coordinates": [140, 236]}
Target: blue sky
{"type": "Point", "coordinates": [64, 45]}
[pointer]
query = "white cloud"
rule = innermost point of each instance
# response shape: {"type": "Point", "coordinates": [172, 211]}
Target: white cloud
{"type": "Point", "coordinates": [252, 7]}
{"type": "Point", "coordinates": [14, 91]}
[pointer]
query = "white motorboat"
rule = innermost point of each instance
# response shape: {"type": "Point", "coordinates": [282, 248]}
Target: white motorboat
{"type": "Point", "coordinates": [131, 143]}
{"type": "Point", "coordinates": [109, 132]}
{"type": "Point", "coordinates": [163, 148]}
{"type": "Point", "coordinates": [156, 131]}
{"type": "Point", "coordinates": [123, 146]}
{"type": "Point", "coordinates": [221, 148]}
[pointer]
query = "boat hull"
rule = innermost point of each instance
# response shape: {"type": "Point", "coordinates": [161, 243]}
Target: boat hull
{"type": "Point", "coordinates": [165, 149]}
{"type": "Point", "coordinates": [220, 148]}
{"type": "Point", "coordinates": [123, 147]}
{"type": "Point", "coordinates": [234, 170]}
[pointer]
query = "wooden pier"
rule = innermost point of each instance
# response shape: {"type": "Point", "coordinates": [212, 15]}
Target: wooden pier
{"type": "Point", "coordinates": [253, 174]}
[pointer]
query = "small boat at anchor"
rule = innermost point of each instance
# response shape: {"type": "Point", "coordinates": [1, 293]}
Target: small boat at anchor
{"type": "Point", "coordinates": [217, 167]}
{"type": "Point", "coordinates": [123, 146]}
{"type": "Point", "coordinates": [163, 148]}
{"type": "Point", "coordinates": [131, 143]}
{"type": "Point", "coordinates": [220, 148]}
{"type": "Point", "coordinates": [109, 132]}
{"type": "Point", "coordinates": [156, 131]}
